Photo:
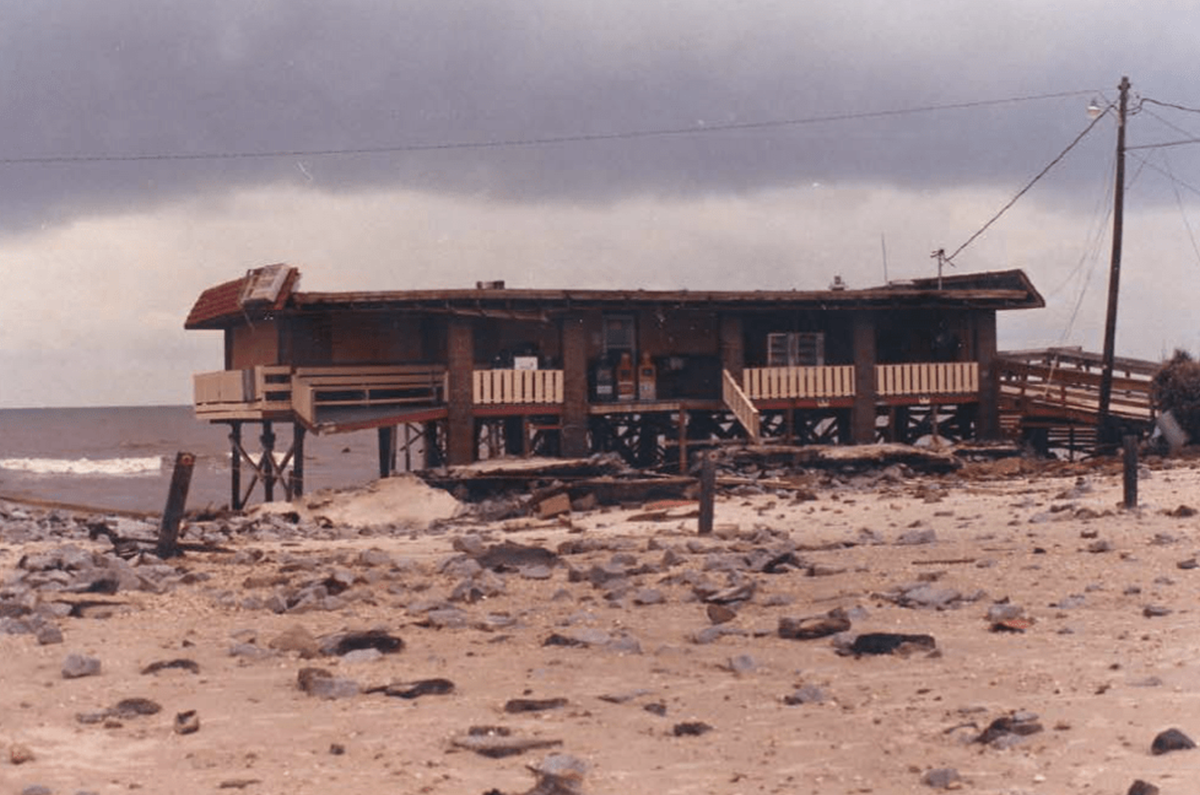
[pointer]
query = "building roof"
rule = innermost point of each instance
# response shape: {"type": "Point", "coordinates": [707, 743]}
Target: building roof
{"type": "Point", "coordinates": [219, 306]}
{"type": "Point", "coordinates": [223, 305]}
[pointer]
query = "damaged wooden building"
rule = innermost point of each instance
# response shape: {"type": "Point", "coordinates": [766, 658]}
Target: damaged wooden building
{"type": "Point", "coordinates": [462, 374]}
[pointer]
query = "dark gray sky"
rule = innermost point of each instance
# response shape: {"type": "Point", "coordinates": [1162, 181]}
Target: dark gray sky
{"type": "Point", "coordinates": [125, 246]}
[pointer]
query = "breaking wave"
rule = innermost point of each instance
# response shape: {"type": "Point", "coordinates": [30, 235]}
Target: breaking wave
{"type": "Point", "coordinates": [148, 465]}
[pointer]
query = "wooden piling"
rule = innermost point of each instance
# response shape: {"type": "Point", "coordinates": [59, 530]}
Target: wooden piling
{"type": "Point", "coordinates": [1131, 473]}
{"type": "Point", "coordinates": [181, 479]}
{"type": "Point", "coordinates": [708, 487]}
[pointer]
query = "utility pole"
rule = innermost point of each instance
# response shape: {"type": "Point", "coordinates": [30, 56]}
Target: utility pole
{"type": "Point", "coordinates": [1106, 433]}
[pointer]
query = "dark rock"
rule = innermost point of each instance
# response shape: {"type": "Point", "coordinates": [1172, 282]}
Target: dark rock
{"type": "Point", "coordinates": [691, 729]}
{"type": "Point", "coordinates": [345, 642]}
{"type": "Point", "coordinates": [1171, 740]}
{"type": "Point", "coordinates": [1156, 611]}
{"type": "Point", "coordinates": [890, 643]}
{"type": "Point", "coordinates": [182, 663]}
{"type": "Point", "coordinates": [720, 614]}
{"type": "Point", "coordinates": [656, 708]}
{"type": "Point", "coordinates": [1140, 787]}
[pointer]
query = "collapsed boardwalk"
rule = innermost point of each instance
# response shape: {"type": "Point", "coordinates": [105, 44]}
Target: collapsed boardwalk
{"type": "Point", "coordinates": [470, 373]}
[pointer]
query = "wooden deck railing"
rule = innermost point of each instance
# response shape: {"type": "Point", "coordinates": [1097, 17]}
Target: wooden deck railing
{"type": "Point", "coordinates": [242, 394]}
{"type": "Point", "coordinates": [927, 379]}
{"type": "Point", "coordinates": [314, 388]}
{"type": "Point", "coordinates": [740, 405]}
{"type": "Point", "coordinates": [1066, 385]}
{"type": "Point", "coordinates": [517, 386]}
{"type": "Point", "coordinates": [767, 383]}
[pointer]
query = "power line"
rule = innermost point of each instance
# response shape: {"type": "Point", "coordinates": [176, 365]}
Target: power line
{"type": "Point", "coordinates": [532, 142]}
{"type": "Point", "coordinates": [1031, 183]}
{"type": "Point", "coordinates": [1170, 105]}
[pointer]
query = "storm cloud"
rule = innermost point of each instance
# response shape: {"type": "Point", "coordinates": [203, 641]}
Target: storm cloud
{"type": "Point", "coordinates": [148, 150]}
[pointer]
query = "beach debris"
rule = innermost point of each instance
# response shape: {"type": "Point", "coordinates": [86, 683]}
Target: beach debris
{"type": "Point", "coordinates": [181, 663]}
{"type": "Point", "coordinates": [497, 742]}
{"type": "Point", "coordinates": [410, 690]}
{"type": "Point", "coordinates": [1171, 740]}
{"type": "Point", "coordinates": [187, 722]}
{"type": "Point", "coordinates": [1005, 731]}
{"type": "Point", "coordinates": [123, 709]}
{"type": "Point", "coordinates": [79, 665]}
{"type": "Point", "coordinates": [533, 704]}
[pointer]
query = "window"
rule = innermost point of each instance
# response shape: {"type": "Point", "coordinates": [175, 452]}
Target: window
{"type": "Point", "coordinates": [796, 349]}
{"type": "Point", "coordinates": [618, 334]}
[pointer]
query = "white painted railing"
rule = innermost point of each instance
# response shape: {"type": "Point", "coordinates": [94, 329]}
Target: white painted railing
{"type": "Point", "coordinates": [767, 383]}
{"type": "Point", "coordinates": [242, 393]}
{"type": "Point", "coordinates": [741, 406]}
{"type": "Point", "coordinates": [927, 378]}
{"type": "Point", "coordinates": [518, 386]}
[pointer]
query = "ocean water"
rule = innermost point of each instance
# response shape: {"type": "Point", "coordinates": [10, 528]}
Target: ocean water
{"type": "Point", "coordinates": [122, 458]}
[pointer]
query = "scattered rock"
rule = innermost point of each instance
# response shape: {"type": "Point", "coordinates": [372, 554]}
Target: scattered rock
{"type": "Point", "coordinates": [78, 665]}
{"type": "Point", "coordinates": [321, 683]}
{"type": "Point", "coordinates": [1140, 787]}
{"type": "Point", "coordinates": [19, 754]}
{"type": "Point", "coordinates": [1156, 611]}
{"type": "Point", "coordinates": [298, 639]}
{"type": "Point", "coordinates": [1171, 740]}
{"type": "Point", "coordinates": [807, 694]}
{"type": "Point", "coordinates": [720, 614]}
{"type": "Point", "coordinates": [942, 778]}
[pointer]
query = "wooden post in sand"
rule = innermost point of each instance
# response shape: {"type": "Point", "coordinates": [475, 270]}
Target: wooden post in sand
{"type": "Point", "coordinates": [708, 487]}
{"type": "Point", "coordinates": [1131, 474]}
{"type": "Point", "coordinates": [181, 479]}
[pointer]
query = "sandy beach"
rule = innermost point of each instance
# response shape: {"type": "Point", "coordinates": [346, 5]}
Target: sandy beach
{"type": "Point", "coordinates": [649, 658]}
